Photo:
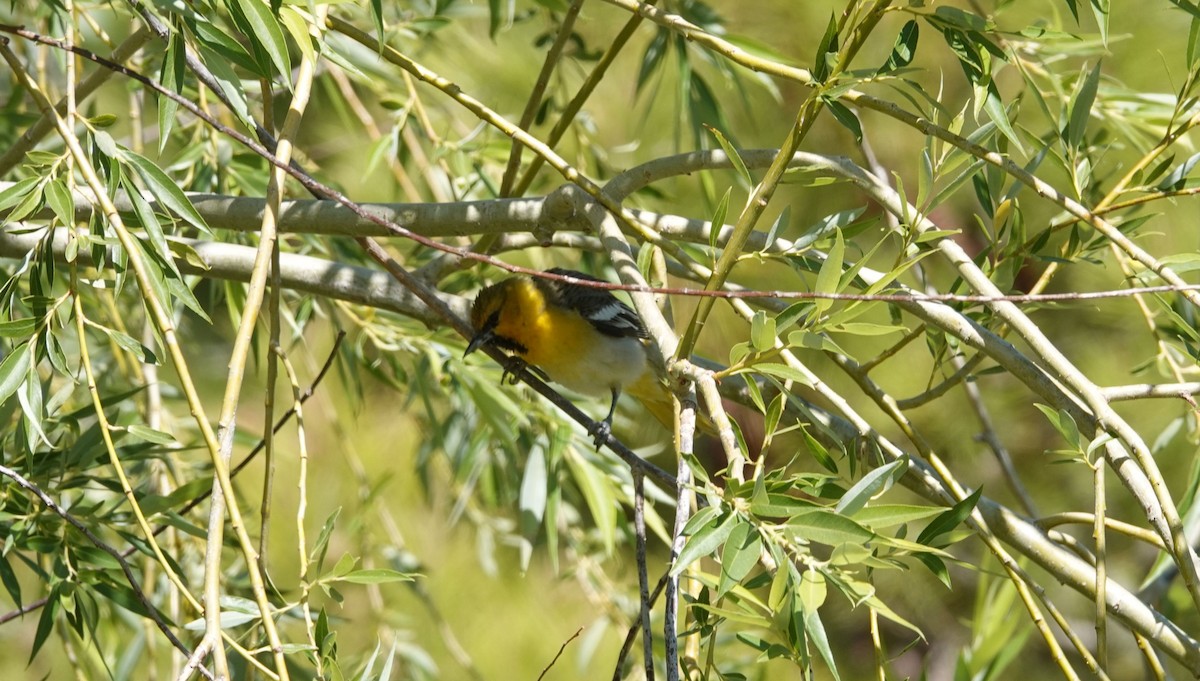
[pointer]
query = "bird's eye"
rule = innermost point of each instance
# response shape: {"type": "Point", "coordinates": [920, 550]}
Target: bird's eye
{"type": "Point", "coordinates": [492, 320]}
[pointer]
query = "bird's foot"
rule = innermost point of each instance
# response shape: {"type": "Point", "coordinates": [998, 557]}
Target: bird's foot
{"type": "Point", "coordinates": [600, 433]}
{"type": "Point", "coordinates": [513, 367]}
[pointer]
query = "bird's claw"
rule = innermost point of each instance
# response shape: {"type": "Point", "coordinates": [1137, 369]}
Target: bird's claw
{"type": "Point", "coordinates": [512, 369]}
{"type": "Point", "coordinates": [601, 432]}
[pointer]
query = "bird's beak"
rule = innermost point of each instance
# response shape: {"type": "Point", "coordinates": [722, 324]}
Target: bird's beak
{"type": "Point", "coordinates": [482, 338]}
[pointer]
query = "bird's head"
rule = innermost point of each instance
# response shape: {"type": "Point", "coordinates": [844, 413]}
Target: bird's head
{"type": "Point", "coordinates": [494, 314]}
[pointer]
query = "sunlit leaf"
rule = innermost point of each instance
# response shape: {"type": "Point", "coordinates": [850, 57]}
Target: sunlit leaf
{"type": "Point", "coordinates": [704, 542]}
{"type": "Point", "coordinates": [266, 34]}
{"type": "Point", "coordinates": [375, 576]}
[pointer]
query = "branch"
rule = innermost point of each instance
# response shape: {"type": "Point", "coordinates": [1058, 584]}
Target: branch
{"type": "Point", "coordinates": [151, 611]}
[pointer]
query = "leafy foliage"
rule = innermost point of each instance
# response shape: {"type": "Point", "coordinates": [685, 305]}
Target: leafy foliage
{"type": "Point", "coordinates": [839, 500]}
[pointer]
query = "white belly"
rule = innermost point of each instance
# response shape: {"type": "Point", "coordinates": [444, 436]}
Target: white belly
{"type": "Point", "coordinates": [617, 363]}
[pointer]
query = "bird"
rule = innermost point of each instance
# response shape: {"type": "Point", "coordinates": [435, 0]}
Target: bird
{"type": "Point", "coordinates": [580, 337]}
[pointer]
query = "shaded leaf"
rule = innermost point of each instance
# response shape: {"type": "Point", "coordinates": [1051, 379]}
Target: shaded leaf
{"type": "Point", "coordinates": [905, 48]}
{"type": "Point", "coordinates": [949, 519]}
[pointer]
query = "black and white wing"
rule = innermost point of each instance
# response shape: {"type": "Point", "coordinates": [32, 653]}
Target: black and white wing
{"type": "Point", "coordinates": [600, 307]}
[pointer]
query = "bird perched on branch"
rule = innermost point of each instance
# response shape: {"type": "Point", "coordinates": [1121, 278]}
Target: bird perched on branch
{"type": "Point", "coordinates": [580, 337]}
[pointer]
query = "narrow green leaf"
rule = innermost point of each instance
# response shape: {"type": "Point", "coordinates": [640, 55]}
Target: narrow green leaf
{"type": "Point", "coordinates": [874, 482]}
{"type": "Point", "coordinates": [598, 492]}
{"type": "Point", "coordinates": [831, 273]}
{"type": "Point", "coordinates": [703, 543]}
{"type": "Point", "coordinates": [13, 195]}
{"type": "Point", "coordinates": [816, 633]}
{"type": "Point", "coordinates": [734, 157]}
{"type": "Point", "coordinates": [781, 222]}
{"type": "Point", "coordinates": [532, 502]}
{"type": "Point", "coordinates": [149, 222]}
{"type": "Point", "coordinates": [319, 549]}
{"type": "Point", "coordinates": [949, 519]}
{"type": "Point", "coordinates": [782, 371]}
{"type": "Point", "coordinates": [13, 371]}
{"type": "Point", "coordinates": [754, 391]}
{"type": "Point", "coordinates": [229, 83]}
{"type": "Point", "coordinates": [828, 225]}
{"type": "Point", "coordinates": [495, 18]}
{"type": "Point", "coordinates": [164, 188]}
{"type": "Point", "coordinates": [1193, 43]}
{"type": "Point", "coordinates": [936, 565]}
{"type": "Point", "coordinates": [826, 51]}
{"type": "Point", "coordinates": [1081, 107]}
{"type": "Point", "coordinates": [996, 111]}
{"type": "Point", "coordinates": [829, 528]}
{"type": "Point", "coordinates": [1100, 11]}
{"type": "Point", "coordinates": [702, 517]}
{"type": "Point", "coordinates": [9, 578]}
{"type": "Point", "coordinates": [171, 76]}
{"type": "Point", "coordinates": [18, 328]}
{"type": "Point", "coordinates": [376, 576]}
{"type": "Point", "coordinates": [865, 329]}
{"type": "Point", "coordinates": [94, 558]}
{"type": "Point", "coordinates": [905, 48]}
{"type": "Point", "coordinates": [881, 516]}
{"type": "Point", "coordinates": [1178, 177]}
{"type": "Point", "coordinates": [740, 554]}
{"type": "Point", "coordinates": [818, 451]}
{"type": "Point", "coordinates": [267, 34]}
{"type": "Point", "coordinates": [718, 220]}
{"type": "Point", "coordinates": [59, 198]}
{"type": "Point", "coordinates": [962, 18]}
{"type": "Point", "coordinates": [776, 505]}
{"type": "Point", "coordinates": [297, 27]}
{"type": "Point", "coordinates": [791, 315]}
{"type": "Point", "coordinates": [127, 342]}
{"type": "Point", "coordinates": [154, 504]}
{"type": "Point", "coordinates": [814, 341]}
{"type": "Point", "coordinates": [377, 18]}
{"type": "Point", "coordinates": [344, 566]}
{"type": "Point", "coordinates": [652, 58]}
{"type": "Point", "coordinates": [26, 205]}
{"type": "Point", "coordinates": [45, 623]}
{"type": "Point", "coordinates": [780, 585]}
{"type": "Point", "coordinates": [846, 117]}
{"type": "Point", "coordinates": [150, 435]}
{"type": "Point", "coordinates": [1064, 424]}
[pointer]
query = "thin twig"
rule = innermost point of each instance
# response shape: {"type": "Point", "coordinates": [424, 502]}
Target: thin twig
{"type": "Point", "coordinates": [553, 57]}
{"type": "Point", "coordinates": [585, 91]}
{"type": "Point", "coordinates": [634, 628]}
{"type": "Point", "coordinates": [639, 526]}
{"type": "Point", "coordinates": [560, 652]}
{"type": "Point", "coordinates": [683, 496]}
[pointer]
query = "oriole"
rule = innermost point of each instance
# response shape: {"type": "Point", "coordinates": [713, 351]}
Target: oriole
{"type": "Point", "coordinates": [580, 337]}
